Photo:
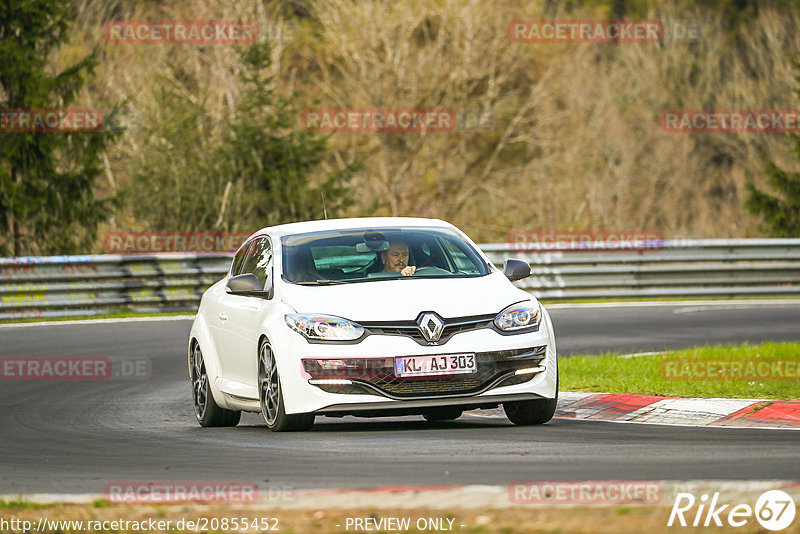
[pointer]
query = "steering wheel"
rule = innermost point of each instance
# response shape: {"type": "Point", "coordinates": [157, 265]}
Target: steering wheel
{"type": "Point", "coordinates": [431, 269]}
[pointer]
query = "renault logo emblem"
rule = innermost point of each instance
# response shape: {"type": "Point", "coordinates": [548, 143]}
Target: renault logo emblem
{"type": "Point", "coordinates": [431, 326]}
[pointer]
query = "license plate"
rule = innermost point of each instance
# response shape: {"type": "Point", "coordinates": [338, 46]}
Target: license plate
{"type": "Point", "coordinates": [443, 364]}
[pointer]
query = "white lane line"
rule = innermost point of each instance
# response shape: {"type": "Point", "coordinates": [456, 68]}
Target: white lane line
{"type": "Point", "coordinates": [705, 308]}
{"type": "Point", "coordinates": [100, 321]}
{"type": "Point", "coordinates": [637, 354]}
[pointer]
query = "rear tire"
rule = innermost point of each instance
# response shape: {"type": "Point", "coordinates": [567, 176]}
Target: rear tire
{"type": "Point", "coordinates": [271, 396]}
{"type": "Point", "coordinates": [206, 410]}
{"type": "Point", "coordinates": [443, 414]}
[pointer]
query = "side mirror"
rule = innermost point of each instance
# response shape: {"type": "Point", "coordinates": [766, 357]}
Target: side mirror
{"type": "Point", "coordinates": [516, 269]}
{"type": "Point", "coordinates": [244, 284]}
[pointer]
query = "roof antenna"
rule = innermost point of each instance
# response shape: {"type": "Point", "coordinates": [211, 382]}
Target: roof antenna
{"type": "Point", "coordinates": [324, 209]}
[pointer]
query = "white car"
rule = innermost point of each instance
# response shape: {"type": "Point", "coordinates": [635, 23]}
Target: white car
{"type": "Point", "coordinates": [369, 317]}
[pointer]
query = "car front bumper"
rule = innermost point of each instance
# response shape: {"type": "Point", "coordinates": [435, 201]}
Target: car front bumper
{"type": "Point", "coordinates": [406, 395]}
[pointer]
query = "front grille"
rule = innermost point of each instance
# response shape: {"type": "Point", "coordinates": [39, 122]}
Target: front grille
{"type": "Point", "coordinates": [377, 375]}
{"type": "Point", "coordinates": [410, 329]}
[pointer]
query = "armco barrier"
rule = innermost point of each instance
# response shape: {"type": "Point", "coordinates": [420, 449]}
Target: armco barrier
{"type": "Point", "coordinates": [59, 286]}
{"type": "Point", "coordinates": [724, 268]}
{"type": "Point", "coordinates": [63, 286]}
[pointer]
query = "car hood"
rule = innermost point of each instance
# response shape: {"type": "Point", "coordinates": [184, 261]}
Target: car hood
{"type": "Point", "coordinates": [397, 300]}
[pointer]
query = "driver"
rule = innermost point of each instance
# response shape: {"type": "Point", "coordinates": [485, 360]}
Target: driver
{"type": "Point", "coordinates": [395, 260]}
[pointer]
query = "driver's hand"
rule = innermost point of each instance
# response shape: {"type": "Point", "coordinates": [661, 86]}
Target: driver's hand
{"type": "Point", "coordinates": [408, 270]}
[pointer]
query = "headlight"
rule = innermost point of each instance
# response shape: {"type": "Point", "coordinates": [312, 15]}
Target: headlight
{"type": "Point", "coordinates": [519, 316]}
{"type": "Point", "coordinates": [316, 327]}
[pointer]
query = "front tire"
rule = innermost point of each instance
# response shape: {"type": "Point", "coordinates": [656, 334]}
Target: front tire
{"type": "Point", "coordinates": [271, 396]}
{"type": "Point", "coordinates": [206, 410]}
{"type": "Point", "coordinates": [532, 412]}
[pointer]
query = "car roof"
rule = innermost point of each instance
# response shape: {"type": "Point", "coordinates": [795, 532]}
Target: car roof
{"type": "Point", "coordinates": [351, 223]}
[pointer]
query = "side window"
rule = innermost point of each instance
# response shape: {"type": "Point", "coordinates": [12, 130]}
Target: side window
{"type": "Point", "coordinates": [241, 256]}
{"type": "Point", "coordinates": [259, 262]}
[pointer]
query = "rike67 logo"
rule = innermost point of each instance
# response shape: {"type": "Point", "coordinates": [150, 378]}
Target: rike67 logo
{"type": "Point", "coordinates": [774, 510]}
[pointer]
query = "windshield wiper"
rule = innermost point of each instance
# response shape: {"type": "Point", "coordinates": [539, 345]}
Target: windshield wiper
{"type": "Point", "coordinates": [321, 282]}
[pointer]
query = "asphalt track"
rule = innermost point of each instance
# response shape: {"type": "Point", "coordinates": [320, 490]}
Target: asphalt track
{"type": "Point", "coordinates": [75, 437]}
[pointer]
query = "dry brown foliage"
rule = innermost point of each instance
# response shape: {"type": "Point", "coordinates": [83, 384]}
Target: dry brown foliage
{"type": "Point", "coordinates": [571, 137]}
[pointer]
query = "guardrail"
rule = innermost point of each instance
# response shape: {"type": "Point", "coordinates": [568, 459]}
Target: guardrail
{"type": "Point", "coordinates": [724, 268]}
{"type": "Point", "coordinates": [62, 286]}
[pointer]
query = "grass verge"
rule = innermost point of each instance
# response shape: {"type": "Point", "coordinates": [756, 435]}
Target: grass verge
{"type": "Point", "coordinates": [740, 371]}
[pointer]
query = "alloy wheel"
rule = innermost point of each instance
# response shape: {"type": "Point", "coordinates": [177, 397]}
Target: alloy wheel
{"type": "Point", "coordinates": [269, 385]}
{"type": "Point", "coordinates": [199, 383]}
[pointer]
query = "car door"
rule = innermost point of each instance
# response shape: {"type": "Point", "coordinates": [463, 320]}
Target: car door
{"type": "Point", "coordinates": [217, 317]}
{"type": "Point", "coordinates": [241, 316]}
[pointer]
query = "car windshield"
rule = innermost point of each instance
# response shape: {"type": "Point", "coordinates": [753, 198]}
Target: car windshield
{"type": "Point", "coordinates": [346, 256]}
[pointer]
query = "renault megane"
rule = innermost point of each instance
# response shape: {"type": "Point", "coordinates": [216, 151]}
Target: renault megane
{"type": "Point", "coordinates": [369, 317]}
